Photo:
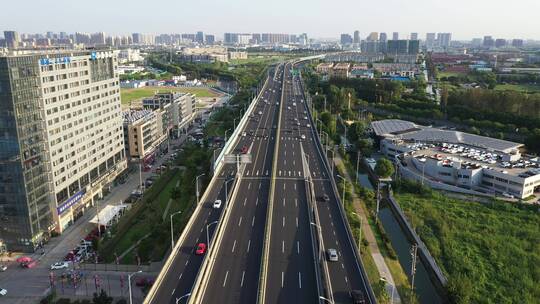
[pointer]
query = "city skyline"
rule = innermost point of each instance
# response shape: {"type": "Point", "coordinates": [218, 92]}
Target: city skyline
{"type": "Point", "coordinates": [241, 16]}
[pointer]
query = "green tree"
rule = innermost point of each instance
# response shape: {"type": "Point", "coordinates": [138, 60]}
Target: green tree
{"type": "Point", "coordinates": [460, 289]}
{"type": "Point", "coordinates": [384, 168]}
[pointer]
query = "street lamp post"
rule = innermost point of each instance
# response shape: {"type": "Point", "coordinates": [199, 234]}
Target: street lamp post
{"type": "Point", "coordinates": [197, 186]}
{"type": "Point", "coordinates": [184, 296]}
{"type": "Point", "coordinates": [320, 239]}
{"type": "Point", "coordinates": [172, 233]}
{"type": "Point", "coordinates": [207, 234]}
{"type": "Point", "coordinates": [325, 299]}
{"type": "Point", "coordinates": [227, 190]}
{"type": "Point", "coordinates": [332, 160]}
{"type": "Point", "coordinates": [344, 185]}
{"type": "Point", "coordinates": [226, 134]}
{"type": "Point", "coordinates": [129, 285]}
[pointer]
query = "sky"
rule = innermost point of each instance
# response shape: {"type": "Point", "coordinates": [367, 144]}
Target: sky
{"type": "Point", "coordinates": [465, 19]}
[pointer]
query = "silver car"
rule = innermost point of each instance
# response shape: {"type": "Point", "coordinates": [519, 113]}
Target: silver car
{"type": "Point", "coordinates": [332, 255]}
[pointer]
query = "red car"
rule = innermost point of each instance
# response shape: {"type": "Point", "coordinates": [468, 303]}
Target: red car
{"type": "Point", "coordinates": [244, 150]}
{"type": "Point", "coordinates": [201, 249]}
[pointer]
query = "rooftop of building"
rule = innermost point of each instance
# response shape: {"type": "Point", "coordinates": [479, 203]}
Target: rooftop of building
{"type": "Point", "coordinates": [407, 130]}
{"type": "Point", "coordinates": [132, 116]}
{"type": "Point", "coordinates": [467, 157]}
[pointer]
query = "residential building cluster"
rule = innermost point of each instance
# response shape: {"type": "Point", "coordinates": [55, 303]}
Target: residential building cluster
{"type": "Point", "coordinates": [210, 54]}
{"type": "Point", "coordinates": [392, 71]}
{"type": "Point", "coordinates": [264, 39]}
{"type": "Point", "coordinates": [457, 161]}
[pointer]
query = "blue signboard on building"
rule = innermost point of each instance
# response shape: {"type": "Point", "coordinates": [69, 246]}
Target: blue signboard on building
{"type": "Point", "coordinates": [47, 61]}
{"type": "Point", "coordinates": [71, 201]}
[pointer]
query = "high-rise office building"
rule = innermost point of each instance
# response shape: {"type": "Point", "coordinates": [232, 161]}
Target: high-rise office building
{"type": "Point", "coordinates": [137, 38]}
{"type": "Point", "coordinates": [62, 141]}
{"type": "Point", "coordinates": [499, 43]}
{"type": "Point", "coordinates": [414, 47]}
{"type": "Point", "coordinates": [430, 40]}
{"type": "Point", "coordinates": [97, 38]}
{"type": "Point", "coordinates": [303, 39]}
{"type": "Point", "coordinates": [444, 39]}
{"type": "Point", "coordinates": [397, 47]}
{"type": "Point", "coordinates": [346, 39]}
{"type": "Point", "coordinates": [256, 38]}
{"type": "Point", "coordinates": [395, 36]}
{"type": "Point", "coordinates": [199, 37]}
{"type": "Point", "coordinates": [12, 39]}
{"type": "Point", "coordinates": [517, 42]}
{"type": "Point", "coordinates": [488, 41]}
{"type": "Point", "coordinates": [210, 39]}
{"type": "Point", "coordinates": [414, 36]}
{"type": "Point", "coordinates": [383, 37]}
{"type": "Point", "coordinates": [356, 38]}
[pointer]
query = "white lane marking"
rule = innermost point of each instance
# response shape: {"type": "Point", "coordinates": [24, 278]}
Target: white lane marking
{"type": "Point", "coordinates": [242, 281]}
{"type": "Point", "coordinates": [249, 244]}
{"type": "Point", "coordinates": [334, 232]}
{"type": "Point", "coordinates": [173, 291]}
{"type": "Point", "coordinates": [245, 201]}
{"type": "Point", "coordinates": [296, 202]}
{"type": "Point", "coordinates": [260, 185]}
{"type": "Point", "coordinates": [294, 186]}
{"type": "Point", "coordinates": [283, 204]}
{"type": "Point", "coordinates": [240, 222]}
{"type": "Point", "coordinates": [256, 201]}
{"type": "Point", "coordinates": [300, 280]}
{"type": "Point", "coordinates": [332, 223]}
{"type": "Point", "coordinates": [282, 246]}
{"type": "Point", "coordinates": [249, 185]}
{"type": "Point", "coordinates": [294, 162]}
{"type": "Point", "coordinates": [296, 221]}
{"type": "Point", "coordinates": [285, 162]}
{"type": "Point", "coordinates": [282, 279]}
{"type": "Point", "coordinates": [283, 221]}
{"type": "Point", "coordinates": [346, 280]}
{"type": "Point", "coordinates": [180, 276]}
{"type": "Point", "coordinates": [257, 173]}
{"type": "Point", "coordinates": [187, 262]}
{"type": "Point", "coordinates": [298, 247]}
{"type": "Point", "coordinates": [225, 280]}
{"type": "Point", "coordinates": [253, 221]}
{"type": "Point", "coordinates": [233, 246]}
{"type": "Point", "coordinates": [343, 267]}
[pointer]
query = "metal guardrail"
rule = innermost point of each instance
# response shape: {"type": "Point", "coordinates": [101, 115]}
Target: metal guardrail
{"type": "Point", "coordinates": [350, 237]}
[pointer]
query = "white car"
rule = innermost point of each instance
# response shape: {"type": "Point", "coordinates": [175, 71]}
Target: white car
{"type": "Point", "coordinates": [217, 204]}
{"type": "Point", "coordinates": [244, 134]}
{"type": "Point", "coordinates": [308, 125]}
{"type": "Point", "coordinates": [332, 255]}
{"type": "Point", "coordinates": [59, 265]}
{"type": "Point", "coordinates": [3, 292]}
{"type": "Point", "coordinates": [507, 195]}
{"type": "Point", "coordinates": [303, 136]}
{"type": "Point", "coordinates": [260, 112]}
{"type": "Point", "coordinates": [294, 104]}
{"type": "Point", "coordinates": [3, 268]}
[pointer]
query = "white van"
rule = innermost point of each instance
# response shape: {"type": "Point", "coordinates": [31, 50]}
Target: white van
{"type": "Point", "coordinates": [217, 204]}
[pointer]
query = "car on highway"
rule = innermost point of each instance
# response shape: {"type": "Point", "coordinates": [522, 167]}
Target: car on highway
{"type": "Point", "coordinates": [244, 150]}
{"type": "Point", "coordinates": [358, 297]}
{"type": "Point", "coordinates": [298, 123]}
{"type": "Point", "coordinates": [201, 249]}
{"type": "Point", "coordinates": [288, 108]}
{"type": "Point", "coordinates": [244, 134]}
{"type": "Point", "coordinates": [303, 136]}
{"type": "Point", "coordinates": [260, 112]}
{"type": "Point", "coordinates": [59, 265]}
{"type": "Point", "coordinates": [305, 117]}
{"type": "Point", "coordinates": [3, 292]}
{"type": "Point", "coordinates": [308, 125]}
{"type": "Point", "coordinates": [332, 255]}
{"type": "Point", "coordinates": [217, 204]}
{"type": "Point", "coordinates": [294, 104]}
{"type": "Point", "coordinates": [3, 268]}
{"type": "Point", "coordinates": [324, 198]}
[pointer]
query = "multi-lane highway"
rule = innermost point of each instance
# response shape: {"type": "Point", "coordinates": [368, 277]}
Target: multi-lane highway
{"type": "Point", "coordinates": [282, 217]}
{"type": "Point", "coordinates": [177, 281]}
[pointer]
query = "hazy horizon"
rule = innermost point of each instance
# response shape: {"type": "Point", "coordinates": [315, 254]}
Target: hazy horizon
{"type": "Point", "coordinates": [320, 19]}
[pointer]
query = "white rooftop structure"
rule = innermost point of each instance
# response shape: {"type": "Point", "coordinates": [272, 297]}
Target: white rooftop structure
{"type": "Point", "coordinates": [406, 130]}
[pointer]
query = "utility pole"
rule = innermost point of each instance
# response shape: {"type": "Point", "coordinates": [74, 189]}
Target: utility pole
{"type": "Point", "coordinates": [357, 165]}
{"type": "Point", "coordinates": [414, 250]}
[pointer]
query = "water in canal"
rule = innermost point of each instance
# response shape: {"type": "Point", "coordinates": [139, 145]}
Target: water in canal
{"type": "Point", "coordinates": [425, 290]}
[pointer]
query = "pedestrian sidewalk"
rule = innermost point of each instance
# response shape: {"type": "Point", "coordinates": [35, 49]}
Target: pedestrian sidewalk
{"type": "Point", "coordinates": [367, 234]}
